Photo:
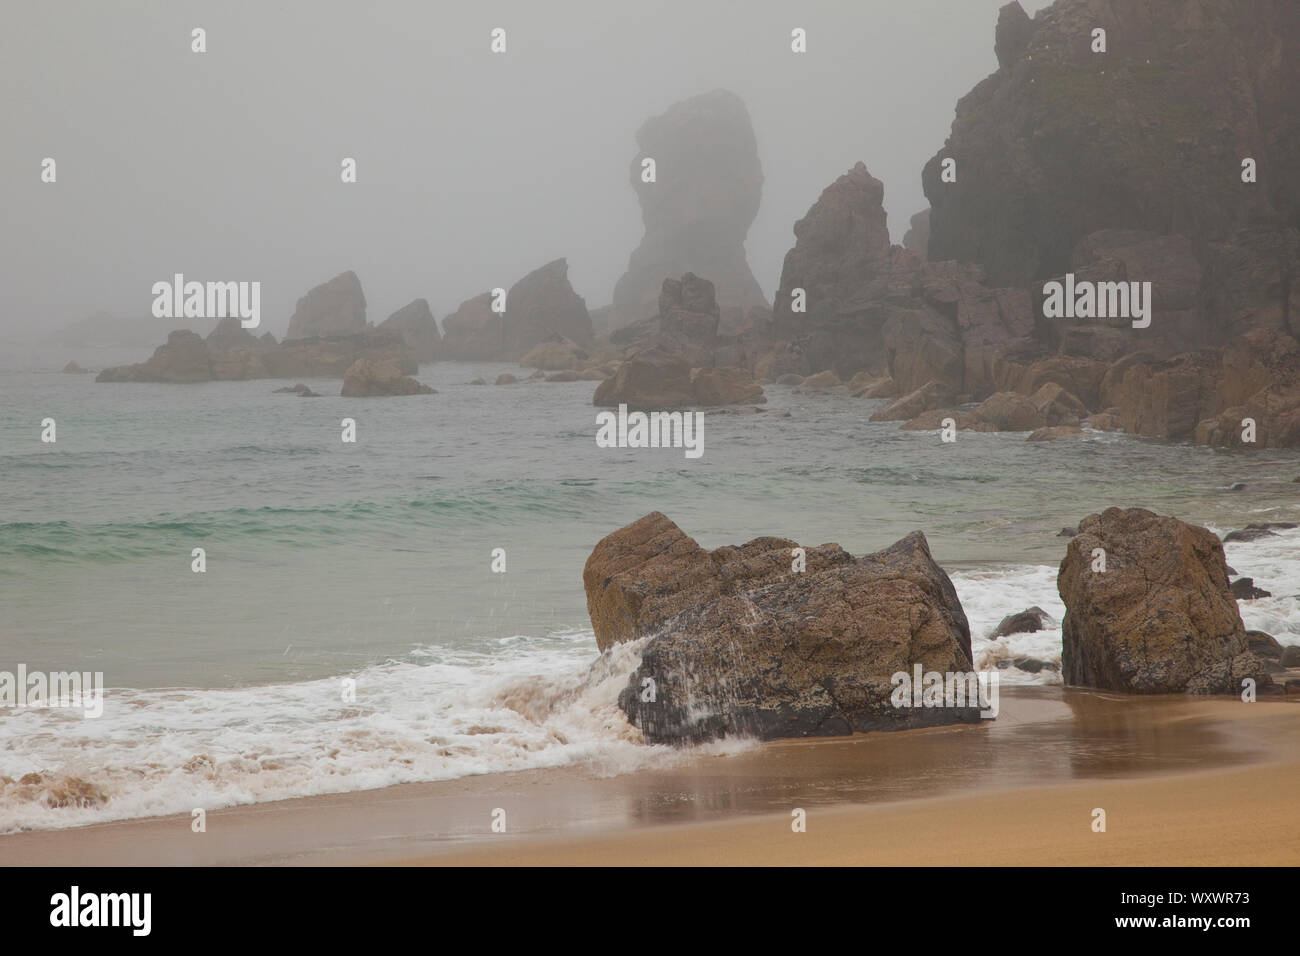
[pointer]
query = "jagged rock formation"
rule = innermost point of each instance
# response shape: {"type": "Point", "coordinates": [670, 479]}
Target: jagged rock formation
{"type": "Point", "coordinates": [418, 328]}
{"type": "Point", "coordinates": [879, 307]}
{"type": "Point", "coordinates": [699, 210]}
{"type": "Point", "coordinates": [944, 336]}
{"type": "Point", "coordinates": [232, 353]}
{"type": "Point", "coordinates": [540, 307]}
{"type": "Point", "coordinates": [743, 644]}
{"type": "Point", "coordinates": [1061, 141]}
{"type": "Point", "coordinates": [474, 333]}
{"type": "Point", "coordinates": [337, 307]}
{"type": "Point", "coordinates": [1160, 619]}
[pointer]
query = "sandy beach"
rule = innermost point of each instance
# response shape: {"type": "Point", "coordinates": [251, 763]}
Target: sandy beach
{"type": "Point", "coordinates": [1183, 781]}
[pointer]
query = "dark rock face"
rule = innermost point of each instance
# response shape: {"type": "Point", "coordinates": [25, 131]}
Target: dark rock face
{"type": "Point", "coordinates": [418, 328]}
{"type": "Point", "coordinates": [698, 212]}
{"type": "Point", "coordinates": [744, 645]}
{"type": "Point", "coordinates": [1013, 33]}
{"type": "Point", "coordinates": [1160, 619]}
{"type": "Point", "coordinates": [337, 307]}
{"type": "Point", "coordinates": [1050, 148]}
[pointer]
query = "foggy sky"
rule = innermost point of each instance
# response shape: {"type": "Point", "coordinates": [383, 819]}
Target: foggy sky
{"type": "Point", "coordinates": [473, 168]}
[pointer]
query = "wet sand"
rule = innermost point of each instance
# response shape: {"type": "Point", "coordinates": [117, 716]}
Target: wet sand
{"type": "Point", "coordinates": [1183, 781]}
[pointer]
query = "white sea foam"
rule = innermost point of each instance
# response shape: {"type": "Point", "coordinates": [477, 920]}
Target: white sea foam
{"type": "Point", "coordinates": [528, 703]}
{"type": "Point", "coordinates": [534, 703]}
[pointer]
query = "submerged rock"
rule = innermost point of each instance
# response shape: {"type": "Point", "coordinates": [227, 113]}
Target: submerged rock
{"type": "Point", "coordinates": [1028, 621]}
{"type": "Point", "coordinates": [1243, 589]}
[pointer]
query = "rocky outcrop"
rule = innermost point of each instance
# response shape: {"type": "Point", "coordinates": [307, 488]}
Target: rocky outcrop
{"type": "Point", "coordinates": [542, 307]}
{"type": "Point", "coordinates": [555, 356]}
{"type": "Point", "coordinates": [1160, 618]}
{"type": "Point", "coordinates": [655, 379]}
{"type": "Point", "coordinates": [367, 378]}
{"type": "Point", "coordinates": [183, 359]}
{"type": "Point", "coordinates": [869, 305]}
{"type": "Point", "coordinates": [474, 333]}
{"type": "Point", "coordinates": [418, 328]}
{"type": "Point", "coordinates": [697, 212]}
{"type": "Point", "coordinates": [1208, 395]}
{"type": "Point", "coordinates": [690, 327]}
{"type": "Point", "coordinates": [73, 368]}
{"type": "Point", "coordinates": [337, 307]}
{"type": "Point", "coordinates": [740, 643]}
{"type": "Point", "coordinates": [231, 353]}
{"type": "Point", "coordinates": [1061, 141]}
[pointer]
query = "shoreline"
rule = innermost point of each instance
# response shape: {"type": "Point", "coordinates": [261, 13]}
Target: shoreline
{"type": "Point", "coordinates": [998, 794]}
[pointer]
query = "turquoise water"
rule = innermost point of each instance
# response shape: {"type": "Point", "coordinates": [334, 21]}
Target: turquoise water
{"type": "Point", "coordinates": [323, 555]}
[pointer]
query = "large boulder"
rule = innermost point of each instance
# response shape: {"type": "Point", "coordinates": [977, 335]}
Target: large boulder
{"type": "Point", "coordinates": [930, 396]}
{"type": "Point", "coordinates": [699, 210]}
{"type": "Point", "coordinates": [1010, 412]}
{"type": "Point", "coordinates": [739, 643]}
{"type": "Point", "coordinates": [1160, 619]}
{"type": "Point", "coordinates": [418, 329]}
{"type": "Point", "coordinates": [726, 385]}
{"type": "Point", "coordinates": [649, 379]}
{"type": "Point", "coordinates": [337, 307]}
{"type": "Point", "coordinates": [367, 378]}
